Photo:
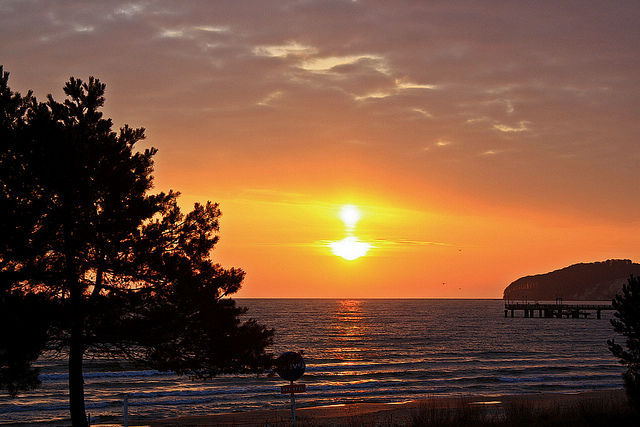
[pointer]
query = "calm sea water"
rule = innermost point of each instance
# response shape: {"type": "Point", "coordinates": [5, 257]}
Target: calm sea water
{"type": "Point", "coordinates": [355, 350]}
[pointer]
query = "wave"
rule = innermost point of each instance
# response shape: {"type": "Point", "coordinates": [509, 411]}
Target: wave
{"type": "Point", "coordinates": [105, 374]}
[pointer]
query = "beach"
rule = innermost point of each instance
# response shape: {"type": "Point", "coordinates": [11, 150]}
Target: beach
{"type": "Point", "coordinates": [402, 413]}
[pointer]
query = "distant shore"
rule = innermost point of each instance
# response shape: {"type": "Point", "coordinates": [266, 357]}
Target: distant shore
{"type": "Point", "coordinates": [402, 413]}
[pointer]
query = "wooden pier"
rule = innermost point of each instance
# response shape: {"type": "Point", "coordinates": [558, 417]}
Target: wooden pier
{"type": "Point", "coordinates": [557, 310]}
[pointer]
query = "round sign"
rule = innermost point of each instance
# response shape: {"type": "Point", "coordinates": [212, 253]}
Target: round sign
{"type": "Point", "coordinates": [290, 366]}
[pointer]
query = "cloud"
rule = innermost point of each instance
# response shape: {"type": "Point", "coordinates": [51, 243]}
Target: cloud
{"type": "Point", "coordinates": [386, 244]}
{"type": "Point", "coordinates": [324, 64]}
{"type": "Point", "coordinates": [406, 243]}
{"type": "Point", "coordinates": [406, 85]}
{"type": "Point", "coordinates": [220, 29]}
{"type": "Point", "coordinates": [538, 81]}
{"type": "Point", "coordinates": [283, 51]}
{"type": "Point", "coordinates": [397, 87]}
{"type": "Point", "coordinates": [522, 126]}
{"type": "Point", "coordinates": [129, 10]}
{"type": "Point", "coordinates": [267, 100]}
{"type": "Point", "coordinates": [491, 152]}
{"type": "Point", "coordinates": [422, 112]}
{"type": "Point", "coordinates": [172, 33]}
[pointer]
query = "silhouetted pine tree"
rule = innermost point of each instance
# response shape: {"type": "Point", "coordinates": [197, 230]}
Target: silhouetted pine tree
{"type": "Point", "coordinates": [89, 260]}
{"type": "Point", "coordinates": [627, 323]}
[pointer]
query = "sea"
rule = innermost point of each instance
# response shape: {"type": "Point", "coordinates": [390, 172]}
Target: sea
{"type": "Point", "coordinates": [355, 350]}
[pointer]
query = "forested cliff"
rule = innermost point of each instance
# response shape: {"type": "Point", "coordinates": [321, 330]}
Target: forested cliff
{"type": "Point", "coordinates": [596, 281]}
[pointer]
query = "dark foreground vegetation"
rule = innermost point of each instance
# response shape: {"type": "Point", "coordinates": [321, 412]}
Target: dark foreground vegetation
{"type": "Point", "coordinates": [525, 413]}
{"type": "Point", "coordinates": [521, 413]}
{"type": "Point", "coordinates": [590, 409]}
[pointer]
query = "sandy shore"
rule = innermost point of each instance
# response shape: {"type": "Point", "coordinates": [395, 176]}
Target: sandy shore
{"type": "Point", "coordinates": [376, 413]}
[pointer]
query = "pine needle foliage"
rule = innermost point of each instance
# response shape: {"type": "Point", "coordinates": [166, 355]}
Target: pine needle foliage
{"type": "Point", "coordinates": [627, 324]}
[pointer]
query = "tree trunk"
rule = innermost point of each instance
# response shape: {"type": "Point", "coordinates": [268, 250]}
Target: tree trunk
{"type": "Point", "coordinates": [76, 338]}
{"type": "Point", "coordinates": [76, 352]}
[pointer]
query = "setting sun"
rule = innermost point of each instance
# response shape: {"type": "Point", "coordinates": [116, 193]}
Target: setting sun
{"type": "Point", "coordinates": [350, 215]}
{"type": "Point", "coordinates": [350, 248]}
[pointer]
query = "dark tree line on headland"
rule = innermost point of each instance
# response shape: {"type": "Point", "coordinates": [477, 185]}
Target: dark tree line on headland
{"type": "Point", "coordinates": [91, 260]}
{"type": "Point", "coordinates": [595, 281]}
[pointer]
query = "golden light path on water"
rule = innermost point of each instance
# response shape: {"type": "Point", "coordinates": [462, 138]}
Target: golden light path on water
{"type": "Point", "coordinates": [350, 247]}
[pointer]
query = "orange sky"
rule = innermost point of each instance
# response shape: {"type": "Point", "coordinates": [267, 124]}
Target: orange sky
{"type": "Point", "coordinates": [480, 141]}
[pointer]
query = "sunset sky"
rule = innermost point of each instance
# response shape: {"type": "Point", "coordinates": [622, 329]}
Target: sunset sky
{"type": "Point", "coordinates": [479, 141]}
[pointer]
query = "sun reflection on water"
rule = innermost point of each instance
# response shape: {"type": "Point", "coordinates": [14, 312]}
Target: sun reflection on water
{"type": "Point", "coordinates": [350, 332]}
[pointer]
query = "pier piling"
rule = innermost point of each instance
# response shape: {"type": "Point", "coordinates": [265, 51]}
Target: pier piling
{"type": "Point", "coordinates": [557, 310]}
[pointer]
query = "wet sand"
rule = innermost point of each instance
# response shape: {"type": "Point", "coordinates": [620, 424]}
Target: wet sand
{"type": "Point", "coordinates": [381, 413]}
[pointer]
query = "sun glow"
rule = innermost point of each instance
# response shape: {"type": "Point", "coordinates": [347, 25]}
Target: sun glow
{"type": "Point", "coordinates": [350, 248]}
{"type": "Point", "coordinates": [350, 215]}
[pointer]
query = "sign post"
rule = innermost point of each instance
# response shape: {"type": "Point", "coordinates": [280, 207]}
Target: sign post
{"type": "Point", "coordinates": [290, 367]}
{"type": "Point", "coordinates": [125, 408]}
{"type": "Point", "coordinates": [293, 408]}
